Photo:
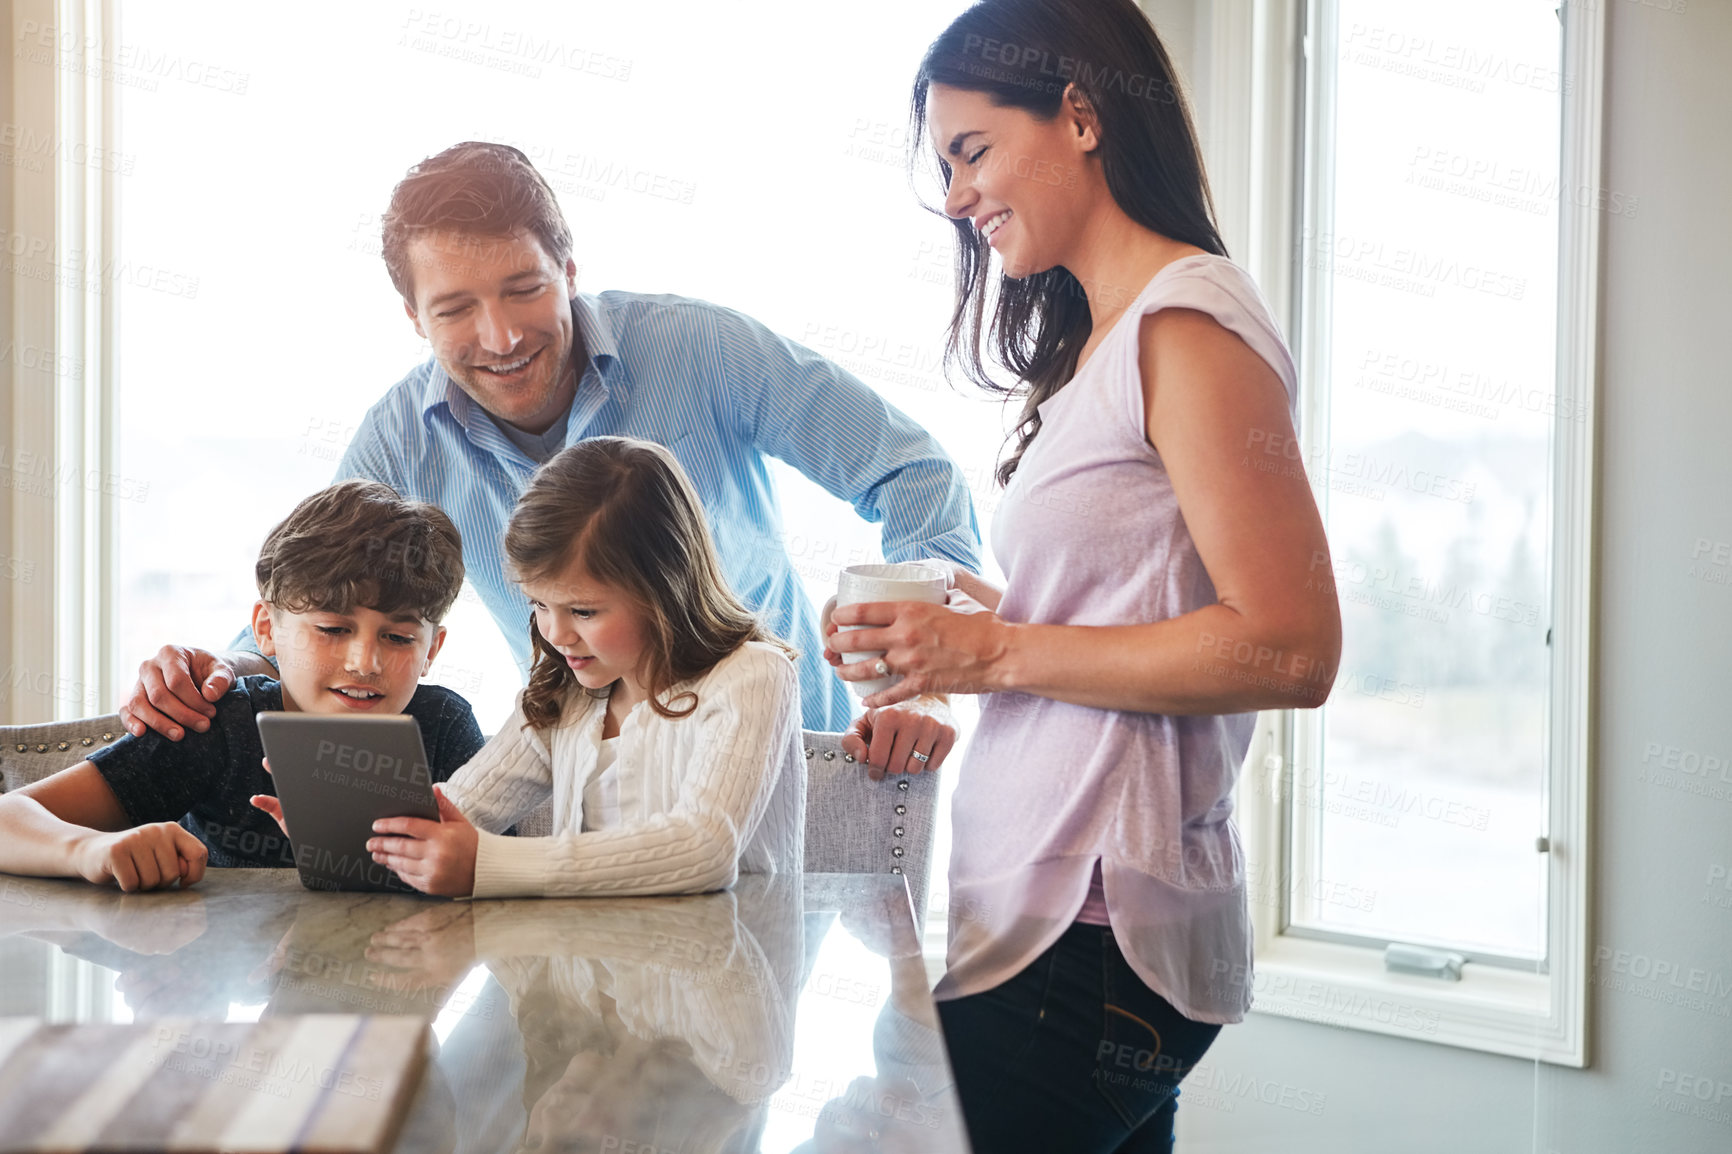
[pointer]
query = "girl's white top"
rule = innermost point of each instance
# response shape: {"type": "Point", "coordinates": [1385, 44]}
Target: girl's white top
{"type": "Point", "coordinates": [700, 799]}
{"type": "Point", "coordinates": [1089, 532]}
{"type": "Point", "coordinates": [608, 794]}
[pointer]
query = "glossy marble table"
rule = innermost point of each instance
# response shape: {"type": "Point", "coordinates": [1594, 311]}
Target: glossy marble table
{"type": "Point", "coordinates": [784, 1015]}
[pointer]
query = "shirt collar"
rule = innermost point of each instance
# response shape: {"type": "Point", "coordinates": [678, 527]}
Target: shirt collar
{"type": "Point", "coordinates": [596, 329]}
{"type": "Point", "coordinates": [593, 327]}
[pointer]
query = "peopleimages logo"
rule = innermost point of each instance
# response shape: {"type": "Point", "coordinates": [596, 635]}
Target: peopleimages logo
{"type": "Point", "coordinates": [366, 770]}
{"type": "Point", "coordinates": [331, 864]}
{"type": "Point", "coordinates": [219, 1059]}
{"type": "Point", "coordinates": [134, 65]}
{"type": "Point", "coordinates": [1039, 69]}
{"type": "Point", "coordinates": [1663, 980]}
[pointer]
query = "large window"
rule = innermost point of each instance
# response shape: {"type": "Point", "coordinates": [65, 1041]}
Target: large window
{"type": "Point", "coordinates": [1435, 365]}
{"type": "Point", "coordinates": [1437, 236]}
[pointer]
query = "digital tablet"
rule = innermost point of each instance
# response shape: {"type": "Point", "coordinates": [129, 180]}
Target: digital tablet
{"type": "Point", "coordinates": [335, 776]}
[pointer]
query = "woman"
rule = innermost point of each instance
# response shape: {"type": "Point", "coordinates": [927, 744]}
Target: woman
{"type": "Point", "coordinates": [1167, 576]}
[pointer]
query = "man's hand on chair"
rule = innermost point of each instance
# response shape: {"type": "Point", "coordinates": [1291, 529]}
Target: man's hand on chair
{"type": "Point", "coordinates": [912, 737]}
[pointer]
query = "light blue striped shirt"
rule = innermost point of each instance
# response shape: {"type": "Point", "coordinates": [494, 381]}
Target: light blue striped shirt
{"type": "Point", "coordinates": [721, 391]}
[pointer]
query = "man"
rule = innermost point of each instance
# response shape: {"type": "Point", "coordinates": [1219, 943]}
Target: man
{"type": "Point", "coordinates": [524, 365]}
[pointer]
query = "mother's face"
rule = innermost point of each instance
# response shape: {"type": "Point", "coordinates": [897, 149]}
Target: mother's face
{"type": "Point", "coordinates": [1028, 185]}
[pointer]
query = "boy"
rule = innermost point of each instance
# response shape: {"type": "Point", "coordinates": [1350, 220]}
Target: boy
{"type": "Point", "coordinates": [352, 587]}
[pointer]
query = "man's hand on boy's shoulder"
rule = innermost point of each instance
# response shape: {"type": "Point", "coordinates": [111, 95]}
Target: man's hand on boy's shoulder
{"type": "Point", "coordinates": [178, 688]}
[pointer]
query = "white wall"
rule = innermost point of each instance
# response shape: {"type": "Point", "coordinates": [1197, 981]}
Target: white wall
{"type": "Point", "coordinates": [1664, 678]}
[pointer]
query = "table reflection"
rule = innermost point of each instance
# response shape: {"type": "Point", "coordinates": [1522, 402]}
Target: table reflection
{"type": "Point", "coordinates": [785, 1014]}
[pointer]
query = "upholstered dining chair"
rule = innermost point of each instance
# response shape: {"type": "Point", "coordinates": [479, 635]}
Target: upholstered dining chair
{"type": "Point", "coordinates": [31, 752]}
{"type": "Point", "coordinates": [853, 824]}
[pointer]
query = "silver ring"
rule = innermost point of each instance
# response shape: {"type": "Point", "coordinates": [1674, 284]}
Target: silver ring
{"type": "Point", "coordinates": [922, 758]}
{"type": "Point", "coordinates": [881, 667]}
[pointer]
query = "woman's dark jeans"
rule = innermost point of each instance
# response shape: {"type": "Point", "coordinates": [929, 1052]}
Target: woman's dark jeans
{"type": "Point", "coordinates": [1074, 1054]}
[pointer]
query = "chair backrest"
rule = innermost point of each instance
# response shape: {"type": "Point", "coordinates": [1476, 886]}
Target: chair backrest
{"type": "Point", "coordinates": [853, 824]}
{"type": "Point", "coordinates": [31, 752]}
{"type": "Point", "coordinates": [857, 825]}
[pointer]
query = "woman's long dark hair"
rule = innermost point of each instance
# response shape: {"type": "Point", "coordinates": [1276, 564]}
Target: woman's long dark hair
{"type": "Point", "coordinates": [626, 510]}
{"type": "Point", "coordinates": [1023, 54]}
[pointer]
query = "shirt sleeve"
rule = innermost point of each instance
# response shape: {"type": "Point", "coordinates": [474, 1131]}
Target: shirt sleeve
{"type": "Point", "coordinates": [746, 720]}
{"type": "Point", "coordinates": [368, 457]}
{"type": "Point", "coordinates": [156, 779]}
{"type": "Point", "coordinates": [245, 642]}
{"type": "Point", "coordinates": [793, 404]}
{"type": "Point", "coordinates": [509, 776]}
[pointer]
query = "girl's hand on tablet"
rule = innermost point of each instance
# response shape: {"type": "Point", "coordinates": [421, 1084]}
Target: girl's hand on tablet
{"type": "Point", "coordinates": [436, 857]}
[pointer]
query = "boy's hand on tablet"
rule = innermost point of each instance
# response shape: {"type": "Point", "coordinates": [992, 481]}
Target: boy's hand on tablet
{"type": "Point", "coordinates": [146, 857]}
{"type": "Point", "coordinates": [436, 857]}
{"type": "Point", "coordinates": [270, 805]}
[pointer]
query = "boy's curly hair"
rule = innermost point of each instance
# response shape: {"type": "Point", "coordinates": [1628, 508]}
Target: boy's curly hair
{"type": "Point", "coordinates": [359, 543]}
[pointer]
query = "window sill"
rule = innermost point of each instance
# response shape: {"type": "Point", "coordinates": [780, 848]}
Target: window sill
{"type": "Point", "coordinates": [1492, 1009]}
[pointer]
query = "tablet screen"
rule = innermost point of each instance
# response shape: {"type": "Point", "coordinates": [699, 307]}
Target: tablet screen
{"type": "Point", "coordinates": [335, 777]}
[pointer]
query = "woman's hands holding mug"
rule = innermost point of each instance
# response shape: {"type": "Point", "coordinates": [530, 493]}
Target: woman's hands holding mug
{"type": "Point", "coordinates": [957, 647]}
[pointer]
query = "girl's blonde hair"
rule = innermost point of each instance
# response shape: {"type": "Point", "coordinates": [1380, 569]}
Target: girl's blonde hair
{"type": "Point", "coordinates": [625, 511]}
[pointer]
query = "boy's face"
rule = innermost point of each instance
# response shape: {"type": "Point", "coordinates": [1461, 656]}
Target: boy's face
{"type": "Point", "coordinates": [356, 662]}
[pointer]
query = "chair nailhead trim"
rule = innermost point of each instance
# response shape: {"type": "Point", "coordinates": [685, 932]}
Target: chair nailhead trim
{"type": "Point", "coordinates": [809, 752]}
{"type": "Point", "coordinates": [829, 755]}
{"type": "Point", "coordinates": [895, 869]}
{"type": "Point", "coordinates": [23, 749]}
{"type": "Point", "coordinates": [896, 851]}
{"type": "Point", "coordinates": [902, 785]}
{"type": "Point", "coordinates": [849, 758]}
{"type": "Point", "coordinates": [901, 809]}
{"type": "Point", "coordinates": [42, 749]}
{"type": "Point", "coordinates": [64, 746]}
{"type": "Point", "coordinates": [87, 741]}
{"type": "Point", "coordinates": [108, 737]}
{"type": "Point", "coordinates": [897, 831]}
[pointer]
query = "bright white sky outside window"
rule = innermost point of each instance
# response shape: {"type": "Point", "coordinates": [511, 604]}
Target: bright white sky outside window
{"type": "Point", "coordinates": [1436, 476]}
{"type": "Point", "coordinates": [749, 154]}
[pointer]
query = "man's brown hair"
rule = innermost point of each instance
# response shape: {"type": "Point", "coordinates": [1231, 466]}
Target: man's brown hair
{"type": "Point", "coordinates": [358, 543]}
{"type": "Point", "coordinates": [475, 188]}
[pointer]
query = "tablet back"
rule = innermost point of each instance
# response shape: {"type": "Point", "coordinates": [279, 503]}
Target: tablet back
{"type": "Point", "coordinates": [335, 777]}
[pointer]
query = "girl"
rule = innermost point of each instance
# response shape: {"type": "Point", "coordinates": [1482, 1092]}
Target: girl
{"type": "Point", "coordinates": [660, 716]}
{"type": "Point", "coordinates": [1165, 579]}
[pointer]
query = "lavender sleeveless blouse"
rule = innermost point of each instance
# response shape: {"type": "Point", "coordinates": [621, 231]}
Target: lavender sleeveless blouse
{"type": "Point", "coordinates": [1089, 533]}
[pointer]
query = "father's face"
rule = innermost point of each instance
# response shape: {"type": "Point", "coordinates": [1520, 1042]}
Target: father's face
{"type": "Point", "coordinates": [498, 313]}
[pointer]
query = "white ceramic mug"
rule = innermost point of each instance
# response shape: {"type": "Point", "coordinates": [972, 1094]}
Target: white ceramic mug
{"type": "Point", "coordinates": [860, 584]}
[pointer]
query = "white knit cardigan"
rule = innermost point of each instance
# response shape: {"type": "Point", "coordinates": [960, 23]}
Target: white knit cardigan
{"type": "Point", "coordinates": [723, 790]}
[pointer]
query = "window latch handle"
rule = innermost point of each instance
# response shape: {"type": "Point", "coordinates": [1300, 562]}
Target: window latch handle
{"type": "Point", "coordinates": [1400, 958]}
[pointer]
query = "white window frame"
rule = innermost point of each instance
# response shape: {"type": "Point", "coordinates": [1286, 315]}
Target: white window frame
{"type": "Point", "coordinates": [58, 624]}
{"type": "Point", "coordinates": [1260, 101]}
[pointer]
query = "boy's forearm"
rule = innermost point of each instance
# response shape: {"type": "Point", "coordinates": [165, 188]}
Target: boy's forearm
{"type": "Point", "coordinates": [35, 842]}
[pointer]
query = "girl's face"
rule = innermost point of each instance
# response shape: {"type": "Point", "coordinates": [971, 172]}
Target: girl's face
{"type": "Point", "coordinates": [602, 632]}
{"type": "Point", "coordinates": [1028, 185]}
